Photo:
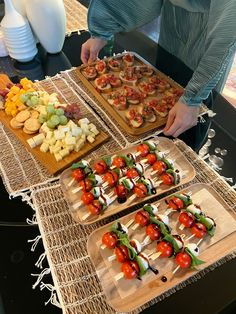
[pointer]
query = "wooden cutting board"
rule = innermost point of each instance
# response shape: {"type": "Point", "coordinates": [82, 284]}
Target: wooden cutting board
{"type": "Point", "coordinates": [46, 159]}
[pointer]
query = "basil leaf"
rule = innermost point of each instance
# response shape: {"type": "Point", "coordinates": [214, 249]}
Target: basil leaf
{"type": "Point", "coordinates": [91, 177]}
{"type": "Point", "coordinates": [185, 198]}
{"type": "Point", "coordinates": [175, 176]}
{"type": "Point", "coordinates": [126, 185]}
{"type": "Point", "coordinates": [117, 171]}
{"type": "Point", "coordinates": [77, 165]}
{"type": "Point", "coordinates": [129, 162]}
{"type": "Point", "coordinates": [169, 165]}
{"type": "Point", "coordinates": [117, 229]}
{"type": "Point", "coordinates": [164, 228]}
{"type": "Point", "coordinates": [107, 160]}
{"type": "Point", "coordinates": [169, 238]}
{"type": "Point", "coordinates": [148, 208]}
{"type": "Point", "coordinates": [125, 241]}
{"type": "Point", "coordinates": [194, 260]}
{"type": "Point", "coordinates": [151, 147]}
{"type": "Point", "coordinates": [202, 219]}
{"type": "Point", "coordinates": [142, 269]}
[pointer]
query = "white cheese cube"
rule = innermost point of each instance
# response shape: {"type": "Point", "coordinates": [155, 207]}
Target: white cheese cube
{"type": "Point", "coordinates": [58, 144]}
{"type": "Point", "coordinates": [44, 148]}
{"type": "Point", "coordinates": [70, 140]}
{"type": "Point", "coordinates": [71, 124]}
{"type": "Point", "coordinates": [91, 126]}
{"type": "Point", "coordinates": [76, 131]}
{"type": "Point", "coordinates": [90, 139]}
{"type": "Point", "coordinates": [38, 139]}
{"type": "Point", "coordinates": [83, 121]}
{"type": "Point", "coordinates": [95, 131]}
{"type": "Point", "coordinates": [52, 141]}
{"type": "Point", "coordinates": [79, 145]}
{"type": "Point", "coordinates": [70, 147]}
{"type": "Point", "coordinates": [31, 142]}
{"type": "Point", "coordinates": [59, 135]}
{"type": "Point", "coordinates": [58, 157]}
{"type": "Point", "coordinates": [49, 135]}
{"type": "Point", "coordinates": [64, 152]}
{"type": "Point", "coordinates": [55, 149]}
{"type": "Point", "coordinates": [83, 137]}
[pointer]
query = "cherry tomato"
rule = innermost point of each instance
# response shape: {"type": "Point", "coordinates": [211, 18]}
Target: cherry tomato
{"type": "Point", "coordinates": [95, 207]}
{"type": "Point", "coordinates": [167, 179]}
{"type": "Point", "coordinates": [100, 167]}
{"type": "Point", "coordinates": [140, 190]}
{"type": "Point", "coordinates": [165, 248]}
{"type": "Point", "coordinates": [143, 149]}
{"type": "Point", "coordinates": [111, 177]}
{"type": "Point", "coordinates": [142, 218]}
{"type": "Point", "coordinates": [159, 166]}
{"type": "Point", "coordinates": [176, 203]}
{"type": "Point", "coordinates": [122, 253]}
{"type": "Point", "coordinates": [187, 219]}
{"type": "Point", "coordinates": [151, 158]}
{"type": "Point", "coordinates": [78, 174]}
{"type": "Point", "coordinates": [153, 231]}
{"type": "Point", "coordinates": [121, 191]}
{"type": "Point", "coordinates": [130, 269]}
{"type": "Point", "coordinates": [119, 162]}
{"type": "Point", "coordinates": [87, 198]}
{"type": "Point", "coordinates": [199, 230]}
{"type": "Point", "coordinates": [132, 173]}
{"type": "Point", "coordinates": [109, 239]}
{"type": "Point", "coordinates": [183, 260]}
{"type": "Point", "coordinates": [86, 185]}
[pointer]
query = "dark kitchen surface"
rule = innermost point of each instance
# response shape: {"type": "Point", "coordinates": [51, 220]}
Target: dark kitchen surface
{"type": "Point", "coordinates": [215, 293]}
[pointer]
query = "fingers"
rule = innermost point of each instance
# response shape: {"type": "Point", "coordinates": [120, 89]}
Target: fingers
{"type": "Point", "coordinates": [171, 118]}
{"type": "Point", "coordinates": [93, 54]}
{"type": "Point", "coordinates": [84, 54]}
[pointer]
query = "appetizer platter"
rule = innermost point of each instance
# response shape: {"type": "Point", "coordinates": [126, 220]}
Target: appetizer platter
{"type": "Point", "coordinates": [96, 190]}
{"type": "Point", "coordinates": [54, 132]}
{"type": "Point", "coordinates": [135, 93]}
{"type": "Point", "coordinates": [146, 253]}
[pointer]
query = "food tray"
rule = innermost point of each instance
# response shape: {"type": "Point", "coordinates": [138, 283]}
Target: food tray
{"type": "Point", "coordinates": [119, 115]}
{"type": "Point", "coordinates": [126, 295]}
{"type": "Point", "coordinates": [46, 159]}
{"type": "Point", "coordinates": [180, 162]}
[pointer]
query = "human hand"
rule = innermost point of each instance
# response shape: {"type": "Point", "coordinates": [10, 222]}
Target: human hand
{"type": "Point", "coordinates": [181, 118]}
{"type": "Point", "coordinates": [90, 49]}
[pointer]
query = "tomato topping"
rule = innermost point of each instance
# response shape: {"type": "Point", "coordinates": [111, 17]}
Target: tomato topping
{"type": "Point", "coordinates": [100, 167]}
{"type": "Point", "coordinates": [121, 191]}
{"type": "Point", "coordinates": [87, 198]}
{"type": "Point", "coordinates": [153, 231]}
{"type": "Point", "coordinates": [100, 66]}
{"type": "Point", "coordinates": [167, 179]}
{"type": "Point", "coordinates": [111, 177]}
{"type": "Point", "coordinates": [132, 173]}
{"type": "Point", "coordinates": [183, 260]}
{"type": "Point", "coordinates": [95, 207]}
{"type": "Point", "coordinates": [78, 174]}
{"type": "Point", "coordinates": [109, 239]}
{"type": "Point", "coordinates": [130, 269]}
{"type": "Point", "coordinates": [142, 218]}
{"type": "Point", "coordinates": [143, 149]}
{"type": "Point", "coordinates": [160, 167]}
{"type": "Point", "coordinates": [122, 253]}
{"type": "Point", "coordinates": [119, 162]}
{"type": "Point", "coordinates": [165, 248]}
{"type": "Point", "coordinates": [187, 219]}
{"type": "Point", "coordinates": [86, 185]}
{"type": "Point", "coordinates": [199, 230]}
{"type": "Point", "coordinates": [114, 81]}
{"type": "Point", "coordinates": [140, 190]}
{"type": "Point", "coordinates": [128, 58]}
{"type": "Point", "coordinates": [151, 158]}
{"type": "Point", "coordinates": [176, 203]}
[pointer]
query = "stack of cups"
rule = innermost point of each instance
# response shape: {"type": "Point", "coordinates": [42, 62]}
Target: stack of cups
{"type": "Point", "coordinates": [18, 36]}
{"type": "Point", "coordinates": [3, 48]}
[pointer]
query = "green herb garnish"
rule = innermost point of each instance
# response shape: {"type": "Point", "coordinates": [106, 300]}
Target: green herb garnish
{"type": "Point", "coordinates": [194, 260]}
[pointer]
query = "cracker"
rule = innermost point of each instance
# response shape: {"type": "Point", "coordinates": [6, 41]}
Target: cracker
{"type": "Point", "coordinates": [32, 125]}
{"type": "Point", "coordinates": [34, 114]}
{"type": "Point", "coordinates": [22, 116]}
{"type": "Point", "coordinates": [28, 131]}
{"type": "Point", "coordinates": [15, 124]}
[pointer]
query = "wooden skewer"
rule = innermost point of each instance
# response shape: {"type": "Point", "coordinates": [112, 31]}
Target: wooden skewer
{"type": "Point", "coordinates": [175, 270]}
{"type": "Point", "coordinates": [71, 182]}
{"type": "Point", "coordinates": [76, 190]}
{"type": "Point", "coordinates": [119, 276]}
{"type": "Point", "coordinates": [181, 227]}
{"type": "Point", "coordinates": [155, 255]}
{"type": "Point", "coordinates": [199, 241]}
{"type": "Point", "coordinates": [189, 238]}
{"type": "Point", "coordinates": [111, 258]}
{"type": "Point", "coordinates": [146, 241]}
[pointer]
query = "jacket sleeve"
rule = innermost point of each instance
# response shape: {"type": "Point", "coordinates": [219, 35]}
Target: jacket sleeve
{"type": "Point", "coordinates": [108, 17]}
{"type": "Point", "coordinates": [220, 45]}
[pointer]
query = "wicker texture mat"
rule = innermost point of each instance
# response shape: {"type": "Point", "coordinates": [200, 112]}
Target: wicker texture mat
{"type": "Point", "coordinates": [77, 285]}
{"type": "Point", "coordinates": [76, 16]}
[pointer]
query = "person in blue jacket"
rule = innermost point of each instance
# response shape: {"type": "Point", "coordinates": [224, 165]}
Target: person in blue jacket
{"type": "Point", "coordinates": [201, 33]}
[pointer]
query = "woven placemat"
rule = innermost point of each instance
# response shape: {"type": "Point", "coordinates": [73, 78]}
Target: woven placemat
{"type": "Point", "coordinates": [76, 16]}
{"type": "Point", "coordinates": [75, 279]}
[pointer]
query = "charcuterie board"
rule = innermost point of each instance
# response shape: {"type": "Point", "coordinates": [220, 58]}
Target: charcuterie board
{"type": "Point", "coordinates": [73, 196]}
{"type": "Point", "coordinates": [125, 295]}
{"type": "Point", "coordinates": [46, 159]}
{"type": "Point", "coordinates": [138, 105]}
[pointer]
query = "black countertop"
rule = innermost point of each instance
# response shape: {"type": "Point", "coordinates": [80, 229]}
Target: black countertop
{"type": "Point", "coordinates": [215, 293]}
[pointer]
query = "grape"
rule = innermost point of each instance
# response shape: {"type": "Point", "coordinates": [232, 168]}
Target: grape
{"type": "Point", "coordinates": [63, 120]}
{"type": "Point", "coordinates": [50, 124]}
{"type": "Point", "coordinates": [55, 119]}
{"type": "Point", "coordinates": [42, 118]}
{"type": "Point", "coordinates": [34, 100]}
{"type": "Point", "coordinates": [24, 98]}
{"type": "Point", "coordinates": [50, 109]}
{"type": "Point", "coordinates": [59, 112]}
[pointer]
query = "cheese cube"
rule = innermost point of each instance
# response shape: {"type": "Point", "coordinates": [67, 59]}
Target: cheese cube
{"type": "Point", "coordinates": [55, 149]}
{"type": "Point", "coordinates": [90, 139]}
{"type": "Point", "coordinates": [70, 147]}
{"type": "Point", "coordinates": [85, 129]}
{"type": "Point", "coordinates": [83, 137]}
{"type": "Point", "coordinates": [58, 143]}
{"type": "Point", "coordinates": [52, 141]}
{"type": "Point", "coordinates": [76, 131]}
{"type": "Point", "coordinates": [91, 126]}
{"type": "Point", "coordinates": [58, 157]}
{"type": "Point", "coordinates": [49, 135]}
{"type": "Point", "coordinates": [70, 140]}
{"type": "Point", "coordinates": [64, 152]}
{"type": "Point", "coordinates": [31, 142]}
{"type": "Point", "coordinates": [44, 147]}
{"type": "Point", "coordinates": [59, 135]}
{"type": "Point", "coordinates": [83, 121]}
{"type": "Point", "coordinates": [38, 139]}
{"type": "Point", "coordinates": [79, 145]}
{"type": "Point", "coordinates": [95, 131]}
{"type": "Point", "coordinates": [71, 124]}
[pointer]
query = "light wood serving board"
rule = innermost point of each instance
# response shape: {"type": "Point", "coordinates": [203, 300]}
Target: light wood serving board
{"type": "Point", "coordinates": [126, 295]}
{"type": "Point", "coordinates": [46, 159]}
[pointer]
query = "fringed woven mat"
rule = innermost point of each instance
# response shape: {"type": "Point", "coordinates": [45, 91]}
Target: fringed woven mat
{"type": "Point", "coordinates": [75, 279]}
{"type": "Point", "coordinates": [76, 16]}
